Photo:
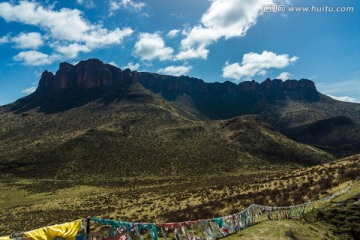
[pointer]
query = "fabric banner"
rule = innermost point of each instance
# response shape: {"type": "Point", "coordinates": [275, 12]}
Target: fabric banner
{"type": "Point", "coordinates": [66, 231]}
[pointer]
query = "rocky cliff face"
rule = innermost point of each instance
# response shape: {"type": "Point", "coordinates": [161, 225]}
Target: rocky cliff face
{"type": "Point", "coordinates": [193, 85]}
{"type": "Point", "coordinates": [213, 100]}
{"type": "Point", "coordinates": [94, 73]}
{"type": "Point", "coordinates": [86, 74]}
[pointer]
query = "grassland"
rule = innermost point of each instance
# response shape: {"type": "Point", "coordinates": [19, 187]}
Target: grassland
{"type": "Point", "coordinates": [27, 203]}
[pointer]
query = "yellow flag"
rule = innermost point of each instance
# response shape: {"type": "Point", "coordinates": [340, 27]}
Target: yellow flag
{"type": "Point", "coordinates": [66, 231]}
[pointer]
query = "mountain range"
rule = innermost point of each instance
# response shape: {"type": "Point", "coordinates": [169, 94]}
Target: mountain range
{"type": "Point", "coordinates": [94, 118]}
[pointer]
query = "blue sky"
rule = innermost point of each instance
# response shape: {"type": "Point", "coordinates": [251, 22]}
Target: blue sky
{"type": "Point", "coordinates": [215, 40]}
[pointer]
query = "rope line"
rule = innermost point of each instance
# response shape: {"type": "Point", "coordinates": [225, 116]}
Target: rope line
{"type": "Point", "coordinates": [204, 229]}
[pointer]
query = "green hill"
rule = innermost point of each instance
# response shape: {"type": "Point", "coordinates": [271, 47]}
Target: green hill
{"type": "Point", "coordinates": [141, 135]}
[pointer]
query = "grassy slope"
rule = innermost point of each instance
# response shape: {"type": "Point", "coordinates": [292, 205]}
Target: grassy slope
{"type": "Point", "coordinates": [141, 138]}
{"type": "Point", "coordinates": [295, 119]}
{"type": "Point", "coordinates": [337, 219]}
{"type": "Point", "coordinates": [283, 114]}
{"type": "Point", "coordinates": [339, 136]}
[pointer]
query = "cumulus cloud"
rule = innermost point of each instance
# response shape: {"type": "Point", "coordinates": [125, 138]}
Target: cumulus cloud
{"type": "Point", "coordinates": [72, 50]}
{"type": "Point", "coordinates": [199, 52]}
{"type": "Point", "coordinates": [224, 19]}
{"type": "Point", "coordinates": [284, 76]}
{"type": "Point", "coordinates": [175, 70]}
{"type": "Point", "coordinates": [34, 58]}
{"type": "Point", "coordinates": [152, 46]}
{"type": "Point", "coordinates": [173, 33]}
{"type": "Point", "coordinates": [32, 40]}
{"type": "Point", "coordinates": [66, 28]}
{"type": "Point", "coordinates": [29, 90]}
{"type": "Point", "coordinates": [132, 66]}
{"type": "Point", "coordinates": [345, 99]}
{"type": "Point", "coordinates": [256, 64]}
{"type": "Point", "coordinates": [127, 4]}
{"type": "Point", "coordinates": [56, 22]}
{"type": "Point", "coordinates": [4, 39]}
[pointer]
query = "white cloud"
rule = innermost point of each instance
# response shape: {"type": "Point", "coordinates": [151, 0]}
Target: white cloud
{"type": "Point", "coordinates": [345, 99]}
{"type": "Point", "coordinates": [65, 27]}
{"type": "Point", "coordinates": [224, 19]}
{"type": "Point", "coordinates": [284, 76]}
{"type": "Point", "coordinates": [34, 58]}
{"type": "Point", "coordinates": [86, 3]}
{"type": "Point", "coordinates": [340, 87]}
{"type": "Point", "coordinates": [32, 40]}
{"type": "Point", "coordinates": [102, 37]}
{"type": "Point", "coordinates": [127, 4]}
{"type": "Point", "coordinates": [71, 50]}
{"type": "Point", "coordinates": [4, 39]}
{"type": "Point", "coordinates": [132, 66]}
{"type": "Point", "coordinates": [66, 24]}
{"type": "Point", "coordinates": [347, 91]}
{"type": "Point", "coordinates": [29, 90]}
{"type": "Point", "coordinates": [199, 52]}
{"type": "Point", "coordinates": [113, 63]}
{"type": "Point", "coordinates": [137, 6]}
{"type": "Point", "coordinates": [175, 70]}
{"type": "Point", "coordinates": [114, 5]}
{"type": "Point", "coordinates": [256, 64]}
{"type": "Point", "coordinates": [152, 46]}
{"type": "Point", "coordinates": [173, 33]}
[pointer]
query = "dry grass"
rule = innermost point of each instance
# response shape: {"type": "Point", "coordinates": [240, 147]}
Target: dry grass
{"type": "Point", "coordinates": [28, 204]}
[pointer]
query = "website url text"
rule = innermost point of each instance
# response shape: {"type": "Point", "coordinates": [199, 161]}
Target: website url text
{"type": "Point", "coordinates": [274, 8]}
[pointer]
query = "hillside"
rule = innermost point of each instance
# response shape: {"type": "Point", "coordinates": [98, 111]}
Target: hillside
{"type": "Point", "coordinates": [87, 119]}
{"type": "Point", "coordinates": [288, 106]}
{"type": "Point", "coordinates": [284, 103]}
{"type": "Point", "coordinates": [93, 140]}
{"type": "Point", "coordinates": [337, 135]}
{"type": "Point", "coordinates": [79, 100]}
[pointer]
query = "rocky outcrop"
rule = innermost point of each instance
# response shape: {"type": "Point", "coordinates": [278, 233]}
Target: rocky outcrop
{"type": "Point", "coordinates": [86, 74]}
{"type": "Point", "coordinates": [93, 73]}
{"type": "Point", "coordinates": [46, 80]}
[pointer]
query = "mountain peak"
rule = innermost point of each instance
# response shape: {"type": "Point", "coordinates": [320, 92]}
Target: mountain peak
{"type": "Point", "coordinates": [85, 74]}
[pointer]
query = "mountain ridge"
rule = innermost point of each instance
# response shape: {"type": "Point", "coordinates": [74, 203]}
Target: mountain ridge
{"type": "Point", "coordinates": [94, 73]}
{"type": "Point", "coordinates": [286, 105]}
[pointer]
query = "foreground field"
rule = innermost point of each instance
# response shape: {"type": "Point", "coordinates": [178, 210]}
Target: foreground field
{"type": "Point", "coordinates": [27, 204]}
